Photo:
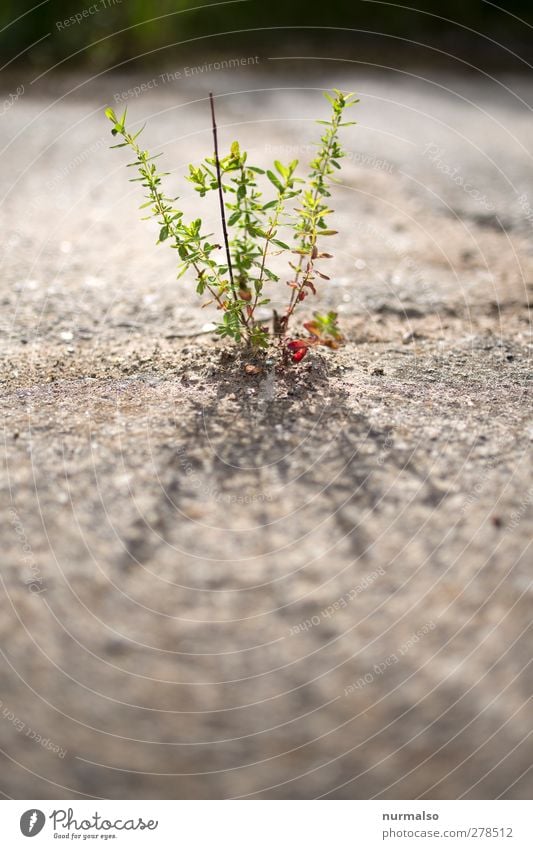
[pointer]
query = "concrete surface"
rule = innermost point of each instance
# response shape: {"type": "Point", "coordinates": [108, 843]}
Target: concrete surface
{"type": "Point", "coordinates": [222, 585]}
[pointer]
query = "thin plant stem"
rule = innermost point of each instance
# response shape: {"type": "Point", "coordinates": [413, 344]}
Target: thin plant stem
{"type": "Point", "coordinates": [312, 236]}
{"type": "Point", "coordinates": [157, 199]}
{"type": "Point", "coordinates": [221, 196]}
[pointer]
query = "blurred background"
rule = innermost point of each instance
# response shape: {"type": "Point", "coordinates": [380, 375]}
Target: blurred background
{"type": "Point", "coordinates": [114, 31]}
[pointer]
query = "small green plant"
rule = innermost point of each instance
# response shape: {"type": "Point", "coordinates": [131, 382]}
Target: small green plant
{"type": "Point", "coordinates": [252, 225]}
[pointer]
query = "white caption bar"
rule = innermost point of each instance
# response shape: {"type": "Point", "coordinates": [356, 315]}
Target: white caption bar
{"type": "Point", "coordinates": [267, 824]}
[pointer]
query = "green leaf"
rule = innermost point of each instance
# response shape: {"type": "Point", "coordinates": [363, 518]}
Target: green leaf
{"type": "Point", "coordinates": [257, 231]}
{"type": "Point", "coordinates": [280, 244]}
{"type": "Point", "coordinates": [138, 133]}
{"type": "Point", "coordinates": [274, 180]}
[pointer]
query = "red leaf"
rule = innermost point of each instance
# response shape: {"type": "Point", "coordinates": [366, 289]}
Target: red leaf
{"type": "Point", "coordinates": [298, 349]}
{"type": "Point", "coordinates": [299, 355]}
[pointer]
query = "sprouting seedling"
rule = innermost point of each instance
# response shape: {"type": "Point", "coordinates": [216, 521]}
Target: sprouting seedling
{"type": "Point", "coordinates": [240, 281]}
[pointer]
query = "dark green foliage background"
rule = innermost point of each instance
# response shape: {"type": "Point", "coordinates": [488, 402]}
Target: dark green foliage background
{"type": "Point", "coordinates": [131, 28]}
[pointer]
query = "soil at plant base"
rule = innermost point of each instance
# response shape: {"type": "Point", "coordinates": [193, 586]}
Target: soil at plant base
{"type": "Point", "coordinates": [224, 584]}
